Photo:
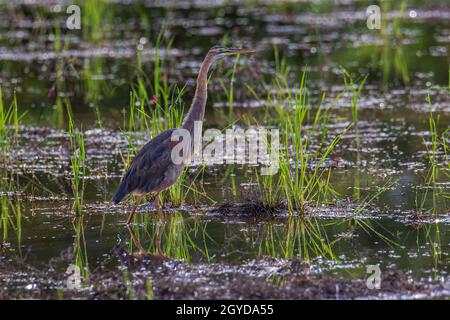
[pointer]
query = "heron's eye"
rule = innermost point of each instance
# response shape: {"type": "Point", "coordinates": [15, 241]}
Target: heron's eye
{"type": "Point", "coordinates": [218, 47]}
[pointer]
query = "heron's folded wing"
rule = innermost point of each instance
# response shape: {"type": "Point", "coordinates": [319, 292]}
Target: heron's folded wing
{"type": "Point", "coordinates": [148, 168]}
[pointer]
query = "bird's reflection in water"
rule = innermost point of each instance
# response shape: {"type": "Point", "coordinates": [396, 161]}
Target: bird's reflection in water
{"type": "Point", "coordinates": [156, 251]}
{"type": "Point", "coordinates": [172, 236]}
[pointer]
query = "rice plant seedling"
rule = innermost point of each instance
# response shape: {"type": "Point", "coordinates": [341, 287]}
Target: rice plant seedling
{"type": "Point", "coordinates": [181, 191]}
{"type": "Point", "coordinates": [355, 89]}
{"type": "Point", "coordinates": [9, 122]}
{"type": "Point", "coordinates": [229, 89]}
{"type": "Point", "coordinates": [301, 178]}
{"type": "Point", "coordinates": [77, 161]}
{"type": "Point", "coordinates": [269, 191]}
{"type": "Point", "coordinates": [436, 148]}
{"type": "Point", "coordinates": [159, 90]}
{"type": "Point", "coordinates": [160, 84]}
{"type": "Point", "coordinates": [282, 99]}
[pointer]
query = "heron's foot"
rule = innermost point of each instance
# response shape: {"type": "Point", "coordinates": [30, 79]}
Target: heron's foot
{"type": "Point", "coordinates": [161, 255]}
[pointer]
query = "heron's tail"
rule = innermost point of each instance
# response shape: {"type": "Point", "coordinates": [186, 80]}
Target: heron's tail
{"type": "Point", "coordinates": [121, 193]}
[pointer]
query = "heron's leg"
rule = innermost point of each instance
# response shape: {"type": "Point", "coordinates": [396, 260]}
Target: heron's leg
{"type": "Point", "coordinates": [136, 204]}
{"type": "Point", "coordinates": [157, 206]}
{"type": "Point", "coordinates": [136, 241]}
{"type": "Point", "coordinates": [159, 236]}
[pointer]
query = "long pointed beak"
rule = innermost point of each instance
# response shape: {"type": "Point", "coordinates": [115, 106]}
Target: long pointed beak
{"type": "Point", "coordinates": [239, 51]}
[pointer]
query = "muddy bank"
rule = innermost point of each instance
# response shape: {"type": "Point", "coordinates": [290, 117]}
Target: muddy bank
{"type": "Point", "coordinates": [143, 276]}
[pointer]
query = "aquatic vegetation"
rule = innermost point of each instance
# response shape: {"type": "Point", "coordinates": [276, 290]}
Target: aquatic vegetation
{"type": "Point", "coordinates": [169, 236]}
{"type": "Point", "coordinates": [9, 125]}
{"type": "Point", "coordinates": [269, 194]}
{"type": "Point", "coordinates": [10, 209]}
{"type": "Point", "coordinates": [154, 89]}
{"type": "Point", "coordinates": [363, 165]}
{"type": "Point", "coordinates": [80, 254]}
{"type": "Point", "coordinates": [10, 218]}
{"type": "Point", "coordinates": [188, 189]}
{"type": "Point", "coordinates": [355, 89]}
{"type": "Point", "coordinates": [229, 89]}
{"type": "Point", "coordinates": [436, 147]}
{"type": "Point", "coordinates": [301, 179]}
{"type": "Point", "coordinates": [77, 161]}
{"type": "Point", "coordinates": [301, 237]}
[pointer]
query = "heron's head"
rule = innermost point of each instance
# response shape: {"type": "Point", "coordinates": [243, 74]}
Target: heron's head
{"type": "Point", "coordinates": [219, 51]}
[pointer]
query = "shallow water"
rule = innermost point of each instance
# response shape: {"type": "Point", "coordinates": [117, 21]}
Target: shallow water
{"type": "Point", "coordinates": [219, 235]}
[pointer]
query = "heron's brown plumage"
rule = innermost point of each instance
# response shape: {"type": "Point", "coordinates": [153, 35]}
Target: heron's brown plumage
{"type": "Point", "coordinates": [144, 174]}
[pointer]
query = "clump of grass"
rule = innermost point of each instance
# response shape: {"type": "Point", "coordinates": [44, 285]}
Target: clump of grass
{"type": "Point", "coordinates": [9, 124]}
{"type": "Point", "coordinates": [436, 146]}
{"type": "Point", "coordinates": [432, 198]}
{"type": "Point", "coordinates": [301, 179]}
{"type": "Point", "coordinates": [77, 161]}
{"type": "Point", "coordinates": [269, 192]}
{"type": "Point", "coordinates": [181, 190]}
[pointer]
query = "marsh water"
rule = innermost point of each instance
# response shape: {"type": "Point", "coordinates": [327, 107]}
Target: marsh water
{"type": "Point", "coordinates": [392, 204]}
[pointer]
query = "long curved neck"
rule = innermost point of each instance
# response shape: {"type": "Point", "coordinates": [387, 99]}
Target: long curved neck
{"type": "Point", "coordinates": [197, 110]}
